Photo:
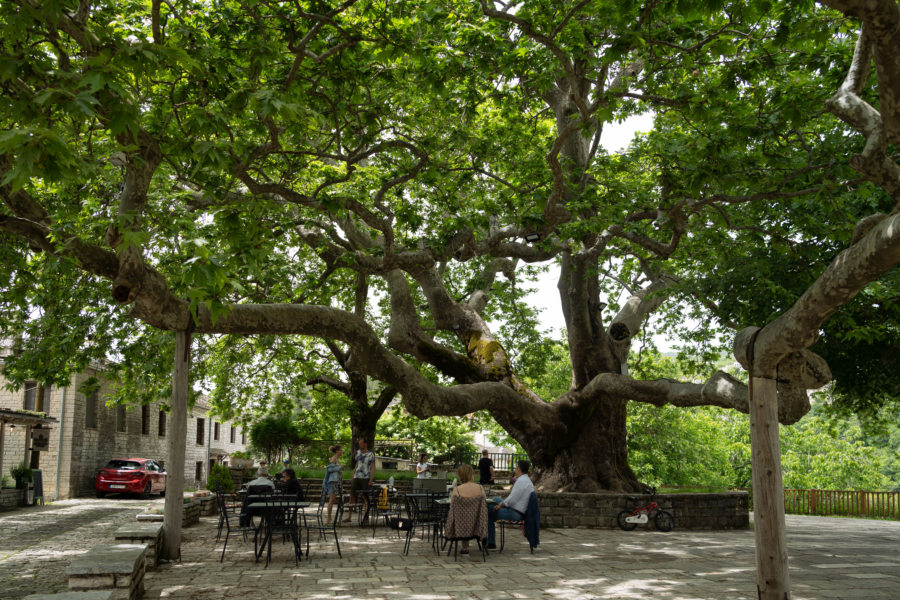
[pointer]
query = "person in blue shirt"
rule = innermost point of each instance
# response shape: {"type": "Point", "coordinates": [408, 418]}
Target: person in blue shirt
{"type": "Point", "coordinates": [331, 484]}
{"type": "Point", "coordinates": [514, 506]}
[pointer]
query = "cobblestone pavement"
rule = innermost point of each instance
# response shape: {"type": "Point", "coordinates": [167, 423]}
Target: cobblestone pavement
{"type": "Point", "coordinates": [37, 543]}
{"type": "Point", "coordinates": [829, 558]}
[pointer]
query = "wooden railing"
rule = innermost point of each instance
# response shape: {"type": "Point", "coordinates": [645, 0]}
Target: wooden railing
{"type": "Point", "coordinates": [846, 503]}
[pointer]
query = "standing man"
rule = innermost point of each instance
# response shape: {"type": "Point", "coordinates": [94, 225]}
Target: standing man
{"type": "Point", "coordinates": [486, 469]}
{"type": "Point", "coordinates": [363, 475]}
{"type": "Point", "coordinates": [513, 507]}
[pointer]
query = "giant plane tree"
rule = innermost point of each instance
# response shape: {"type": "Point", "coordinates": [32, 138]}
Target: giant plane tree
{"type": "Point", "coordinates": [251, 168]}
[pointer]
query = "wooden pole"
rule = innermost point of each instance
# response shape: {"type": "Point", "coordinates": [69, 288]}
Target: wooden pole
{"type": "Point", "coordinates": [772, 580]}
{"type": "Point", "coordinates": [175, 444]}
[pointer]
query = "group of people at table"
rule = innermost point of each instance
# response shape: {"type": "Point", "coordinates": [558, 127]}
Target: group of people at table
{"type": "Point", "coordinates": [512, 508]}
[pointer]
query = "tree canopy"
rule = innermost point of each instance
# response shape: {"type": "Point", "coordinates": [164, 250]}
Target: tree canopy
{"type": "Point", "coordinates": [388, 177]}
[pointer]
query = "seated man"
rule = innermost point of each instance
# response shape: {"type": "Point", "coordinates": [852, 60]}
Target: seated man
{"type": "Point", "coordinates": [513, 508]}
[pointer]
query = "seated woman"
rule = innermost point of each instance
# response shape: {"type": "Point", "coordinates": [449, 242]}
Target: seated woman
{"type": "Point", "coordinates": [291, 484]}
{"type": "Point", "coordinates": [467, 488]}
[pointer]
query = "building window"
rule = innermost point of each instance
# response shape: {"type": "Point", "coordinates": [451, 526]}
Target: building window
{"type": "Point", "coordinates": [120, 418]}
{"type": "Point", "coordinates": [162, 423]}
{"type": "Point", "coordinates": [44, 404]}
{"type": "Point", "coordinates": [201, 423]}
{"type": "Point", "coordinates": [216, 431]}
{"type": "Point", "coordinates": [30, 395]}
{"type": "Point", "coordinates": [145, 419]}
{"type": "Point", "coordinates": [198, 474]}
{"type": "Point", "coordinates": [233, 434]}
{"type": "Point", "coordinates": [243, 438]}
{"type": "Point", "coordinates": [90, 411]}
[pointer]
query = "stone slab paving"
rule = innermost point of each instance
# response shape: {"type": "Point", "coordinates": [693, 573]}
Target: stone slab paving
{"type": "Point", "coordinates": [38, 543]}
{"type": "Point", "coordinates": [829, 558]}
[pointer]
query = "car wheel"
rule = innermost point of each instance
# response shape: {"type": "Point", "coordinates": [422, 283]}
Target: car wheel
{"type": "Point", "coordinates": [163, 493]}
{"type": "Point", "coordinates": [146, 492]}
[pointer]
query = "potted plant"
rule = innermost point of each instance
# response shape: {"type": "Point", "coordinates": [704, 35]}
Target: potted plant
{"type": "Point", "coordinates": [21, 474]}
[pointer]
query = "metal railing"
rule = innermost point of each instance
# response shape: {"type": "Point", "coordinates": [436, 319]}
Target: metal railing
{"type": "Point", "coordinates": [502, 461]}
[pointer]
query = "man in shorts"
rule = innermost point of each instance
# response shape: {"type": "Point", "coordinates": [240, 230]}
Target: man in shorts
{"type": "Point", "coordinates": [363, 475]}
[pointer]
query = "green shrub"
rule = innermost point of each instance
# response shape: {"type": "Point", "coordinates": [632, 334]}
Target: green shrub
{"type": "Point", "coordinates": [241, 454]}
{"type": "Point", "coordinates": [21, 473]}
{"type": "Point", "coordinates": [220, 479]}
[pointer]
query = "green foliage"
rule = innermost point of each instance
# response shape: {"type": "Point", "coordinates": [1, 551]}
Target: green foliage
{"type": "Point", "coordinates": [241, 454]}
{"type": "Point", "coordinates": [220, 478]}
{"type": "Point", "coordinates": [273, 435]}
{"type": "Point", "coordinates": [438, 437]}
{"type": "Point", "coordinates": [21, 473]}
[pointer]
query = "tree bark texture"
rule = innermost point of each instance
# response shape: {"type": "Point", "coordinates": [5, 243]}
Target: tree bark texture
{"type": "Point", "coordinates": [773, 580]}
{"type": "Point", "coordinates": [175, 445]}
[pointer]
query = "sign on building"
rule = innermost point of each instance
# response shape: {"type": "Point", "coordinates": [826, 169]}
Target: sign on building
{"type": "Point", "coordinates": [40, 440]}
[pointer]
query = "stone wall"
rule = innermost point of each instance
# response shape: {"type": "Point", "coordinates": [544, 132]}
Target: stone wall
{"type": "Point", "coordinates": [10, 498]}
{"type": "Point", "coordinates": [728, 510]}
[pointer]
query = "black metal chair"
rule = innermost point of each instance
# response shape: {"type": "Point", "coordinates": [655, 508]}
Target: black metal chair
{"type": "Point", "coordinates": [425, 516]}
{"type": "Point", "coordinates": [326, 527]}
{"type": "Point", "coordinates": [503, 523]}
{"type": "Point", "coordinates": [380, 507]}
{"type": "Point", "coordinates": [467, 519]}
{"type": "Point", "coordinates": [280, 518]}
{"type": "Point", "coordinates": [226, 519]}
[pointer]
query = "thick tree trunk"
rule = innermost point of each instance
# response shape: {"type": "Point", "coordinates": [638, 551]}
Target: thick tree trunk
{"type": "Point", "coordinates": [175, 444]}
{"type": "Point", "coordinates": [590, 456]}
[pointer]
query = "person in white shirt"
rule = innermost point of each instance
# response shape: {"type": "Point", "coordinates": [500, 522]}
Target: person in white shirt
{"type": "Point", "coordinates": [363, 476]}
{"type": "Point", "coordinates": [422, 469]}
{"type": "Point", "coordinates": [512, 507]}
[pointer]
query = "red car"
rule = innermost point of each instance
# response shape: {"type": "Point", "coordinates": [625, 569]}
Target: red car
{"type": "Point", "coordinates": [131, 475]}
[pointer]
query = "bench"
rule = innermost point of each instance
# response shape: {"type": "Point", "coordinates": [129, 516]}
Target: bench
{"type": "Point", "coordinates": [149, 534]}
{"type": "Point", "coordinates": [116, 567]}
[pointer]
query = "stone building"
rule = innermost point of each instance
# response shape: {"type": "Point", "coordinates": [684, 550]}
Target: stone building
{"type": "Point", "coordinates": [88, 433]}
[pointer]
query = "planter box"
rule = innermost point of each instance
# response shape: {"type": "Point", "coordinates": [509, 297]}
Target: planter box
{"type": "Point", "coordinates": [241, 463]}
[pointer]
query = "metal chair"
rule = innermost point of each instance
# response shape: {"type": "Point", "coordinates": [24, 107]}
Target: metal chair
{"type": "Point", "coordinates": [381, 505]}
{"type": "Point", "coordinates": [423, 515]}
{"type": "Point", "coordinates": [280, 518]}
{"type": "Point", "coordinates": [225, 520]}
{"type": "Point", "coordinates": [467, 519]}
{"type": "Point", "coordinates": [324, 526]}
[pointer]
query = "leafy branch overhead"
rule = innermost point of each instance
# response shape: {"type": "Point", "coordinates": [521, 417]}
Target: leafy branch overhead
{"type": "Point", "coordinates": [365, 174]}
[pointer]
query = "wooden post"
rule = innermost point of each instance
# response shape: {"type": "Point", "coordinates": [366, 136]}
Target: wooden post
{"type": "Point", "coordinates": [772, 580]}
{"type": "Point", "coordinates": [2, 443]}
{"type": "Point", "coordinates": [175, 444]}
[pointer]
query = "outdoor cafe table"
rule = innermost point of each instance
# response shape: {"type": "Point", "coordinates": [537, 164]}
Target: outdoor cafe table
{"type": "Point", "coordinates": [260, 507]}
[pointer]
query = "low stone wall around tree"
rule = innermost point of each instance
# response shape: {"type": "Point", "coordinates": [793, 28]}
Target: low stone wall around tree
{"type": "Point", "coordinates": [728, 510]}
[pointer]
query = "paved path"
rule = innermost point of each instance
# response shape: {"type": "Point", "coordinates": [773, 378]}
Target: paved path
{"type": "Point", "coordinates": [37, 543]}
{"type": "Point", "coordinates": [829, 558]}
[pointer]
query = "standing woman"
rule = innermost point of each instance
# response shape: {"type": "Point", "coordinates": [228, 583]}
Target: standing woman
{"type": "Point", "coordinates": [422, 468]}
{"type": "Point", "coordinates": [331, 484]}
